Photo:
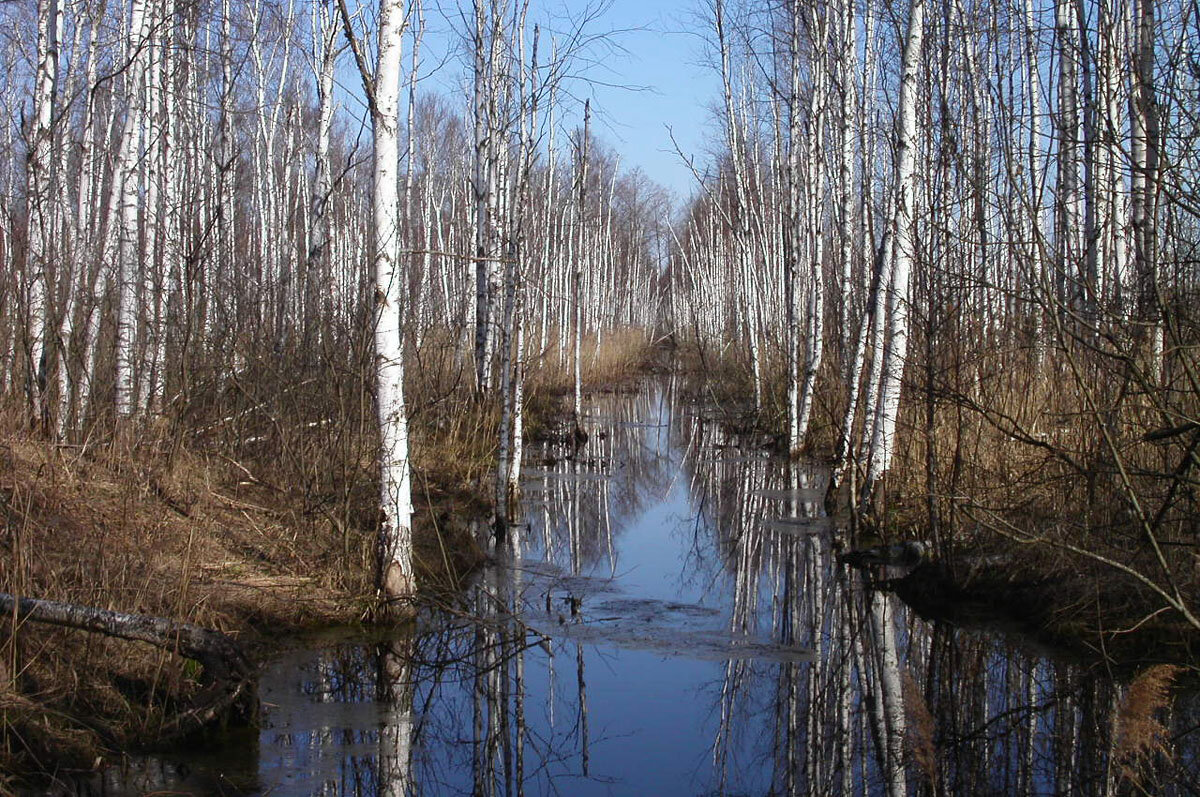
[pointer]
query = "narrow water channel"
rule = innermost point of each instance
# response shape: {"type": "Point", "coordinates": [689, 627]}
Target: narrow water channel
{"type": "Point", "coordinates": [671, 620]}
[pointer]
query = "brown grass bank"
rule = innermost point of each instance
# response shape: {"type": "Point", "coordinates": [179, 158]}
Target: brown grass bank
{"type": "Point", "coordinates": [247, 507]}
{"type": "Point", "coordinates": [135, 526]}
{"type": "Point", "coordinates": [1072, 464]}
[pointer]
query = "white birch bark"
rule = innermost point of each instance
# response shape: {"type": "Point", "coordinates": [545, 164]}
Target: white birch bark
{"type": "Point", "coordinates": [847, 63]}
{"type": "Point", "coordinates": [395, 533]}
{"type": "Point", "coordinates": [414, 308]}
{"type": "Point", "coordinates": [484, 192]}
{"type": "Point", "coordinates": [1067, 230]}
{"type": "Point", "coordinates": [220, 277]}
{"type": "Point", "coordinates": [39, 200]}
{"type": "Point", "coordinates": [581, 255]}
{"type": "Point", "coordinates": [174, 172]}
{"type": "Point", "coordinates": [903, 249]}
{"type": "Point", "coordinates": [318, 299]}
{"type": "Point", "coordinates": [512, 376]}
{"type": "Point", "coordinates": [127, 167]}
{"type": "Point", "coordinates": [815, 239]}
{"type": "Point", "coordinates": [791, 234]}
{"type": "Point", "coordinates": [741, 227]}
{"type": "Point", "coordinates": [1092, 192]}
{"type": "Point", "coordinates": [397, 728]}
{"type": "Point", "coordinates": [891, 693]}
{"type": "Point", "coordinates": [1035, 119]}
{"type": "Point", "coordinates": [159, 157]}
{"type": "Point", "coordinates": [1144, 148]}
{"type": "Point", "coordinates": [74, 375]}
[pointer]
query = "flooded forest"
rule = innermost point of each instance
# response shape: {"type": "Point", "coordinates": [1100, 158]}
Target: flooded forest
{"type": "Point", "coordinates": [374, 420]}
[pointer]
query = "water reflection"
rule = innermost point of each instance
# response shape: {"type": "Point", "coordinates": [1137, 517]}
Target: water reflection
{"type": "Point", "coordinates": [670, 618]}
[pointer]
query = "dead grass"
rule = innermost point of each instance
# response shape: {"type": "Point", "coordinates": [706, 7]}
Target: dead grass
{"type": "Point", "coordinates": [919, 730]}
{"type": "Point", "coordinates": [615, 361]}
{"type": "Point", "coordinates": [132, 527]}
{"type": "Point", "coordinates": [1140, 734]}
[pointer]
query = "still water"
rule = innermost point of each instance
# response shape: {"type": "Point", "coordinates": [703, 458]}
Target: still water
{"type": "Point", "coordinates": [670, 619]}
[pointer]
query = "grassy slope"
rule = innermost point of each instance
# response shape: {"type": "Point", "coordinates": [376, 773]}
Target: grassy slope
{"type": "Point", "coordinates": [185, 537]}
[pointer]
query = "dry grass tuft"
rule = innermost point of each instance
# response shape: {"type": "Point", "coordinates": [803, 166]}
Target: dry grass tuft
{"type": "Point", "coordinates": [919, 730]}
{"type": "Point", "coordinates": [1139, 733]}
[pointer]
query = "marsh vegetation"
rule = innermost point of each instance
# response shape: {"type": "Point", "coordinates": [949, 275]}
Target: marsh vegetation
{"type": "Point", "coordinates": [291, 339]}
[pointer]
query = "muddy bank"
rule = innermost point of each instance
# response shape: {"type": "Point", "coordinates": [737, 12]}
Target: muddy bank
{"type": "Point", "coordinates": [1077, 610]}
{"type": "Point", "coordinates": [196, 538]}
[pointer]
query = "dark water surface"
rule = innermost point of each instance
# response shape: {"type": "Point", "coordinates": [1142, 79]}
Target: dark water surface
{"type": "Point", "coordinates": [670, 620]}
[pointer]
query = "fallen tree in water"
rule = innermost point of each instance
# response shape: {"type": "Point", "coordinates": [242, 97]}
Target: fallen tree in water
{"type": "Point", "coordinates": [227, 676]}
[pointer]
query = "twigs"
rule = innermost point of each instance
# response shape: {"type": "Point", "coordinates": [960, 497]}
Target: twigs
{"type": "Point", "coordinates": [1009, 531]}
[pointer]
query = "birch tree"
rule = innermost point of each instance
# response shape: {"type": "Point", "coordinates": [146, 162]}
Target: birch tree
{"type": "Point", "coordinates": [896, 349]}
{"type": "Point", "coordinates": [396, 526]}
{"type": "Point", "coordinates": [382, 89]}
{"type": "Point", "coordinates": [39, 198]}
{"type": "Point", "coordinates": [1144, 148]}
{"type": "Point", "coordinates": [129, 264]}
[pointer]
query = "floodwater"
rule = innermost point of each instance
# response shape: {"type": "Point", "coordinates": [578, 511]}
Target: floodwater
{"type": "Point", "coordinates": [670, 619]}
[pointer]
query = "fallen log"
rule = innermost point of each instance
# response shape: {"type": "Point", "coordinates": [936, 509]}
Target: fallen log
{"type": "Point", "coordinates": [901, 554]}
{"type": "Point", "coordinates": [228, 676]}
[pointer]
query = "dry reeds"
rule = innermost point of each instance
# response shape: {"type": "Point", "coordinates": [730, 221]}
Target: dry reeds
{"type": "Point", "coordinates": [612, 361]}
{"type": "Point", "coordinates": [1139, 733]}
{"type": "Point", "coordinates": [919, 730]}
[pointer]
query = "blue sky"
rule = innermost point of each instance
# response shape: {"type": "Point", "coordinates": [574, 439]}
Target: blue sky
{"type": "Point", "coordinates": [645, 77]}
{"type": "Point", "coordinates": [662, 56]}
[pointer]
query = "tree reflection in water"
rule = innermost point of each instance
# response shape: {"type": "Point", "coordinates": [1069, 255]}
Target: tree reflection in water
{"type": "Point", "coordinates": [670, 618]}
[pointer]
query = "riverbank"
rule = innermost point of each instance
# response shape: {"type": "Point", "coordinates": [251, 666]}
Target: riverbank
{"type": "Point", "coordinates": [139, 528]}
{"type": "Point", "coordinates": [682, 597]}
{"type": "Point", "coordinates": [249, 512]}
{"type": "Point", "coordinates": [1081, 613]}
{"type": "Point", "coordinates": [1025, 529]}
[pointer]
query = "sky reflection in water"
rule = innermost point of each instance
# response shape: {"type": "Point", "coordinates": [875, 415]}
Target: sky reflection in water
{"type": "Point", "coordinates": [667, 622]}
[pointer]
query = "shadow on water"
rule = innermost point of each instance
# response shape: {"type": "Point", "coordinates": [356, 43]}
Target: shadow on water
{"type": "Point", "coordinates": [670, 618]}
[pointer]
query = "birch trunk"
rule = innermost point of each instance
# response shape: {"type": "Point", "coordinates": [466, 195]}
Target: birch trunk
{"type": "Point", "coordinates": [317, 290]}
{"type": "Point", "coordinates": [484, 190]}
{"type": "Point", "coordinates": [1145, 154]}
{"type": "Point", "coordinates": [580, 255]}
{"type": "Point", "coordinates": [816, 200]}
{"type": "Point", "coordinates": [512, 370]}
{"type": "Point", "coordinates": [1067, 277]}
{"type": "Point", "coordinates": [883, 439]}
{"type": "Point", "coordinates": [128, 255]}
{"type": "Point", "coordinates": [891, 695]}
{"type": "Point", "coordinates": [791, 235]}
{"type": "Point", "coordinates": [40, 215]}
{"type": "Point", "coordinates": [395, 532]}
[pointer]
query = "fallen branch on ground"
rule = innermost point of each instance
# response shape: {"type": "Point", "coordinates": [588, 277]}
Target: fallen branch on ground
{"type": "Point", "coordinates": [228, 676]}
